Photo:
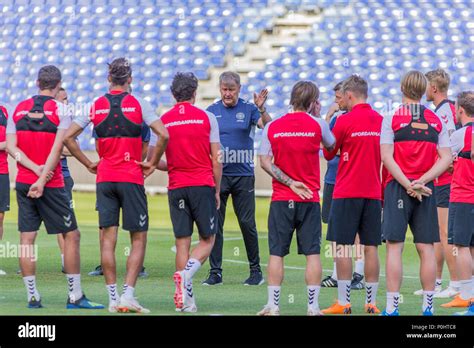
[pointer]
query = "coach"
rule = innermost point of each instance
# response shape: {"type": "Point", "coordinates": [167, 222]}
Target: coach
{"type": "Point", "coordinates": [237, 120]}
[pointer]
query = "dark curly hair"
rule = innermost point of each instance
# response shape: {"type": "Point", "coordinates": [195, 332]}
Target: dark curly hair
{"type": "Point", "coordinates": [119, 71]}
{"type": "Point", "coordinates": [183, 86]}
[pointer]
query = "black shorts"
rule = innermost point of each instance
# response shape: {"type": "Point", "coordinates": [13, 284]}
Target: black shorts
{"type": "Point", "coordinates": [461, 224]}
{"type": "Point", "coordinates": [441, 194]}
{"type": "Point", "coordinates": [327, 200]}
{"type": "Point", "coordinates": [4, 193]}
{"type": "Point", "coordinates": [111, 196]}
{"type": "Point", "coordinates": [52, 208]}
{"type": "Point", "coordinates": [352, 216]}
{"type": "Point", "coordinates": [68, 185]}
{"type": "Point", "coordinates": [400, 211]}
{"type": "Point", "coordinates": [194, 204]}
{"type": "Point", "coordinates": [286, 217]}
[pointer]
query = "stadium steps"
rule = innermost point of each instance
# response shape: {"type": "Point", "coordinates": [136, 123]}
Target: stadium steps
{"type": "Point", "coordinates": [285, 32]}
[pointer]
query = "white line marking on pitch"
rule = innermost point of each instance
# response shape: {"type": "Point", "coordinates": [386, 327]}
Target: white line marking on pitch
{"type": "Point", "coordinates": [173, 249]}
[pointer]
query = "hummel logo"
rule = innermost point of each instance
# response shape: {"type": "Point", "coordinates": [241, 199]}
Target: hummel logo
{"type": "Point", "coordinates": [67, 220]}
{"type": "Point", "coordinates": [142, 221]}
{"type": "Point", "coordinates": [212, 222]}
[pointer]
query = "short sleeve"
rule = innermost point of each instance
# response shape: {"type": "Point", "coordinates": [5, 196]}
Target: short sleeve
{"type": "Point", "coordinates": [83, 118]}
{"type": "Point", "coordinates": [149, 115]}
{"type": "Point", "coordinates": [387, 135]}
{"type": "Point", "coordinates": [443, 137]}
{"type": "Point", "coordinates": [265, 148]}
{"type": "Point", "coordinates": [65, 115]}
{"type": "Point", "coordinates": [11, 127]}
{"type": "Point", "coordinates": [214, 136]}
{"type": "Point", "coordinates": [328, 138]}
{"type": "Point", "coordinates": [457, 141]}
{"type": "Point", "coordinates": [447, 117]}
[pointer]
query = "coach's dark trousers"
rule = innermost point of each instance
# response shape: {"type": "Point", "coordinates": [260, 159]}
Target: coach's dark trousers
{"type": "Point", "coordinates": [242, 190]}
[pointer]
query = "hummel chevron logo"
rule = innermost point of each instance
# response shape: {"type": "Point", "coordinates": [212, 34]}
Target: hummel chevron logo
{"type": "Point", "coordinates": [212, 222]}
{"type": "Point", "coordinates": [67, 220]}
{"type": "Point", "coordinates": [142, 221]}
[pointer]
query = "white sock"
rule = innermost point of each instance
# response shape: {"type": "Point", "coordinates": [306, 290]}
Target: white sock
{"type": "Point", "coordinates": [455, 284]}
{"type": "Point", "coordinates": [191, 268]}
{"type": "Point", "coordinates": [62, 260]}
{"type": "Point", "coordinates": [359, 266]}
{"type": "Point", "coordinates": [313, 296]}
{"type": "Point", "coordinates": [393, 299]}
{"type": "Point", "coordinates": [128, 292]}
{"type": "Point", "coordinates": [334, 271]}
{"type": "Point", "coordinates": [344, 292]}
{"type": "Point", "coordinates": [30, 284]}
{"type": "Point", "coordinates": [273, 296]}
{"type": "Point", "coordinates": [466, 289]}
{"type": "Point", "coordinates": [371, 293]}
{"type": "Point", "coordinates": [439, 283]}
{"type": "Point", "coordinates": [112, 291]}
{"type": "Point", "coordinates": [428, 300]}
{"type": "Point", "coordinates": [189, 290]}
{"type": "Point", "coordinates": [74, 285]}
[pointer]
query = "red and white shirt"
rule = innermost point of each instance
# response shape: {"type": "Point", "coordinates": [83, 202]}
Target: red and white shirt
{"type": "Point", "coordinates": [462, 186]}
{"type": "Point", "coordinates": [188, 154]}
{"type": "Point", "coordinates": [35, 137]}
{"type": "Point", "coordinates": [358, 139]}
{"type": "Point", "coordinates": [294, 140]}
{"type": "Point", "coordinates": [118, 148]}
{"type": "Point", "coordinates": [415, 140]}
{"type": "Point", "coordinates": [447, 112]}
{"type": "Point", "coordinates": [3, 138]}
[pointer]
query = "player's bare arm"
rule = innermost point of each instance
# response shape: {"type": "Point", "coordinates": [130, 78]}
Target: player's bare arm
{"type": "Point", "coordinates": [70, 142]}
{"type": "Point", "coordinates": [162, 165]}
{"type": "Point", "coordinates": [158, 150]}
{"type": "Point", "coordinates": [217, 170]}
{"type": "Point", "coordinates": [416, 191]}
{"type": "Point", "coordinates": [296, 186]}
{"type": "Point", "coordinates": [445, 160]}
{"type": "Point", "coordinates": [331, 111]}
{"type": "Point", "coordinates": [19, 156]}
{"type": "Point", "coordinates": [36, 190]}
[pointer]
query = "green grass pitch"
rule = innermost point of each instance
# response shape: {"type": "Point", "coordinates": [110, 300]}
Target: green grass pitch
{"type": "Point", "coordinates": [156, 291]}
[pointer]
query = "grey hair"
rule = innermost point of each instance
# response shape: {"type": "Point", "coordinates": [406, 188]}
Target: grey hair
{"type": "Point", "coordinates": [229, 75]}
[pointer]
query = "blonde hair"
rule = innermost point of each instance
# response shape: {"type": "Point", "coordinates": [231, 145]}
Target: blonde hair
{"type": "Point", "coordinates": [414, 85]}
{"type": "Point", "coordinates": [439, 78]}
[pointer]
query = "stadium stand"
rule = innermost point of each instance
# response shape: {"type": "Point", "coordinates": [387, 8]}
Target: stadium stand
{"type": "Point", "coordinates": [161, 37]}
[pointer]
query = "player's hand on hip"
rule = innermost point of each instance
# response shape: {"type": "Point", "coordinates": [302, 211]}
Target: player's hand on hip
{"type": "Point", "coordinates": [147, 168]}
{"type": "Point", "coordinates": [301, 190]}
